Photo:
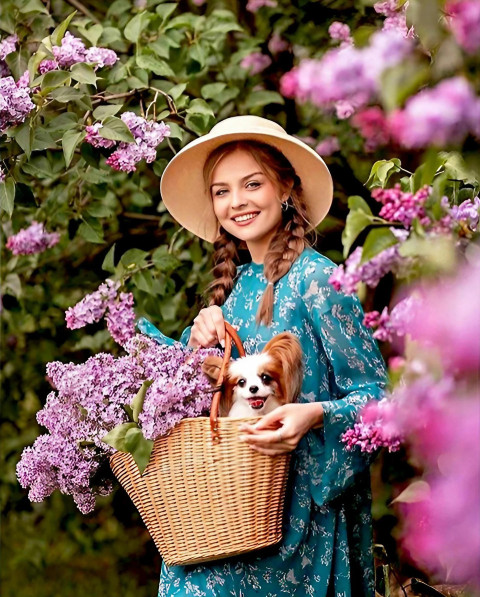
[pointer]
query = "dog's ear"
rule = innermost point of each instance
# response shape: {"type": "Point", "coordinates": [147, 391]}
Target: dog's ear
{"type": "Point", "coordinates": [211, 367]}
{"type": "Point", "coordinates": [286, 348]}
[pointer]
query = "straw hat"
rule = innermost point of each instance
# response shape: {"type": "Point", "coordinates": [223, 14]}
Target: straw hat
{"type": "Point", "coordinates": [183, 189]}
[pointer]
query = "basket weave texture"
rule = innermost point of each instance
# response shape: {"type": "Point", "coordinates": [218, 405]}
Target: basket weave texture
{"type": "Point", "coordinates": [205, 495]}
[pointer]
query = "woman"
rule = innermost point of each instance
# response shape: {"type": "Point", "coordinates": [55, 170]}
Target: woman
{"type": "Point", "coordinates": [247, 184]}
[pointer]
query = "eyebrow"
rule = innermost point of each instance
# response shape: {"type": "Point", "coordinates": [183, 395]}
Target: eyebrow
{"type": "Point", "coordinates": [224, 184]}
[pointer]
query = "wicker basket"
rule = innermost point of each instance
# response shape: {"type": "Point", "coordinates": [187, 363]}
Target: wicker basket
{"type": "Point", "coordinates": [205, 495]}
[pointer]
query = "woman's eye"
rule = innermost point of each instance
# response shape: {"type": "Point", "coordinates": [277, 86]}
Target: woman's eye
{"type": "Point", "coordinates": [253, 185]}
{"type": "Point", "coordinates": [241, 382]}
{"type": "Point", "coordinates": [265, 378]}
{"type": "Point", "coordinates": [220, 192]}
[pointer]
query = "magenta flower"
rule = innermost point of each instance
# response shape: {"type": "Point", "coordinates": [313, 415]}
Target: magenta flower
{"type": "Point", "coordinates": [101, 56]}
{"type": "Point", "coordinates": [31, 240]}
{"type": "Point", "coordinates": [15, 103]}
{"type": "Point", "coordinates": [47, 65]}
{"type": "Point", "coordinates": [464, 22]}
{"type": "Point", "coordinates": [339, 31]}
{"type": "Point", "coordinates": [121, 318]}
{"type": "Point", "coordinates": [373, 126]}
{"type": "Point", "coordinates": [394, 323]}
{"type": "Point", "coordinates": [254, 5]}
{"type": "Point", "coordinates": [328, 146]}
{"type": "Point", "coordinates": [403, 207]}
{"type": "Point", "coordinates": [256, 62]}
{"type": "Point", "coordinates": [276, 44]}
{"type": "Point", "coordinates": [467, 213]}
{"type": "Point", "coordinates": [442, 115]}
{"type": "Point", "coordinates": [71, 51]}
{"type": "Point", "coordinates": [95, 139]}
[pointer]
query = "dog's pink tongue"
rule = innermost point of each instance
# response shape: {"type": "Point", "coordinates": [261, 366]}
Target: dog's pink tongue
{"type": "Point", "coordinates": [256, 403]}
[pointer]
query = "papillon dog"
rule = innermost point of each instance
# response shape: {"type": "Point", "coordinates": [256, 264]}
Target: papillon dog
{"type": "Point", "coordinates": [256, 384]}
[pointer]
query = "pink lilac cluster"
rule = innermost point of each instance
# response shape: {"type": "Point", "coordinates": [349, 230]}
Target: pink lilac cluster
{"type": "Point", "coordinates": [463, 18]}
{"type": "Point", "coordinates": [7, 46]}
{"type": "Point", "coordinates": [340, 32]}
{"type": "Point", "coordinates": [90, 399]}
{"type": "Point", "coordinates": [31, 240]}
{"type": "Point", "coordinates": [3, 174]}
{"type": "Point", "coordinates": [118, 309]}
{"type": "Point", "coordinates": [72, 51]}
{"type": "Point", "coordinates": [375, 428]}
{"type": "Point", "coordinates": [442, 115]}
{"type": "Point", "coordinates": [256, 62]}
{"type": "Point", "coordinates": [403, 207]}
{"type": "Point", "coordinates": [328, 146]}
{"type": "Point", "coordinates": [346, 74]}
{"type": "Point", "coordinates": [467, 213]}
{"type": "Point", "coordinates": [347, 277]}
{"type": "Point", "coordinates": [254, 5]}
{"type": "Point", "coordinates": [390, 324]}
{"type": "Point", "coordinates": [277, 44]}
{"type": "Point", "coordinates": [148, 134]}
{"type": "Point", "coordinates": [396, 17]}
{"type": "Point", "coordinates": [373, 126]}
{"type": "Point", "coordinates": [15, 103]}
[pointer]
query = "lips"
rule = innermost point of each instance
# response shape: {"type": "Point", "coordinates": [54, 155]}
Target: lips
{"type": "Point", "coordinates": [246, 218]}
{"type": "Point", "coordinates": [256, 403]}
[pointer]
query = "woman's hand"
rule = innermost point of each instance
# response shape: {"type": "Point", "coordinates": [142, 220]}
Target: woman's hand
{"type": "Point", "coordinates": [280, 431]}
{"type": "Point", "coordinates": [208, 328]}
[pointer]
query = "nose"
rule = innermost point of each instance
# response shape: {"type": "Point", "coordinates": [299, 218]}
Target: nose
{"type": "Point", "coordinates": [253, 389]}
{"type": "Point", "coordinates": [238, 200]}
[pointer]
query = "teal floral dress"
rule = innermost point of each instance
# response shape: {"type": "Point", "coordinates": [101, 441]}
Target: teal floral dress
{"type": "Point", "coordinates": [327, 542]}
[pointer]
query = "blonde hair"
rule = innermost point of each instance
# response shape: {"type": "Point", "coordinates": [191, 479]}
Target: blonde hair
{"type": "Point", "coordinates": [284, 247]}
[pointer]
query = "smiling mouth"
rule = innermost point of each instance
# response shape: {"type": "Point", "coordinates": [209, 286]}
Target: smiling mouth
{"type": "Point", "coordinates": [256, 402]}
{"type": "Point", "coordinates": [245, 217]}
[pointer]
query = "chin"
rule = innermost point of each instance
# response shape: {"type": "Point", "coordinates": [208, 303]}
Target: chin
{"type": "Point", "coordinates": [255, 385]}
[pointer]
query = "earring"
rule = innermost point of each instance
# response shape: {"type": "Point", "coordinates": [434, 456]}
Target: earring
{"type": "Point", "coordinates": [285, 205]}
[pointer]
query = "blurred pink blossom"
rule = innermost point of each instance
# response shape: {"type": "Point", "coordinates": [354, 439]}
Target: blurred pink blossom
{"type": "Point", "coordinates": [328, 146]}
{"type": "Point", "coordinates": [276, 44]}
{"type": "Point", "coordinates": [373, 126]}
{"type": "Point", "coordinates": [256, 62]}
{"type": "Point", "coordinates": [339, 31]}
{"type": "Point", "coordinates": [31, 240]}
{"type": "Point", "coordinates": [464, 22]}
{"type": "Point", "coordinates": [254, 5]}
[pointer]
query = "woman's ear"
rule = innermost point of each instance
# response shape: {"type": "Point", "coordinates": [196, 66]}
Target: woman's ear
{"type": "Point", "coordinates": [211, 367]}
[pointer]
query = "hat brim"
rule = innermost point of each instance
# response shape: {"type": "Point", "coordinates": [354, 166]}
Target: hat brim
{"type": "Point", "coordinates": [183, 191]}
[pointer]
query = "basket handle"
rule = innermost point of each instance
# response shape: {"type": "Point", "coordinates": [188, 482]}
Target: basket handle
{"type": "Point", "coordinates": [230, 334]}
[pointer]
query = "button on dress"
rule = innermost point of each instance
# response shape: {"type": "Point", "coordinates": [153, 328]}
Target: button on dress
{"type": "Point", "coordinates": [326, 549]}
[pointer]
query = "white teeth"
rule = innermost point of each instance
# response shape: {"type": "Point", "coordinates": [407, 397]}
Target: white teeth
{"type": "Point", "coordinates": [245, 217]}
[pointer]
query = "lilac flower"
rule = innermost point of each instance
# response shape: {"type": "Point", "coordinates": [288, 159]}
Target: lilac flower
{"type": "Point", "coordinates": [464, 22]}
{"type": "Point", "coordinates": [347, 277]}
{"type": "Point", "coordinates": [93, 306]}
{"type": "Point", "coordinates": [276, 44]}
{"type": "Point", "coordinates": [254, 5]}
{"type": "Point", "coordinates": [3, 174]}
{"type": "Point", "coordinates": [15, 103]}
{"type": "Point", "coordinates": [328, 146]}
{"type": "Point", "coordinates": [339, 31]}
{"type": "Point", "coordinates": [47, 65]}
{"type": "Point", "coordinates": [396, 18]}
{"type": "Point", "coordinates": [31, 240]}
{"type": "Point", "coordinates": [256, 62]}
{"type": "Point", "coordinates": [128, 155]}
{"type": "Point", "coordinates": [394, 323]}
{"type": "Point", "coordinates": [404, 207]}
{"type": "Point", "coordinates": [466, 213]}
{"type": "Point", "coordinates": [24, 80]}
{"type": "Point", "coordinates": [8, 45]}
{"type": "Point", "coordinates": [101, 56]}
{"type": "Point", "coordinates": [71, 51]}
{"type": "Point", "coordinates": [373, 127]}
{"type": "Point", "coordinates": [95, 139]}
{"type": "Point", "coordinates": [442, 115]}
{"type": "Point", "coordinates": [121, 318]}
{"type": "Point", "coordinates": [344, 109]}
{"type": "Point", "coordinates": [388, 8]}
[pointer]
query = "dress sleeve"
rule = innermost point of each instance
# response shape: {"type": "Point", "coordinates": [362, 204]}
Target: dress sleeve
{"type": "Point", "coordinates": [356, 374]}
{"type": "Point", "coordinates": [146, 327]}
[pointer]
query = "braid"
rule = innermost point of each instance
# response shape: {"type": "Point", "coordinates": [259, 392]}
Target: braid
{"type": "Point", "coordinates": [225, 259]}
{"type": "Point", "coordinates": [284, 248]}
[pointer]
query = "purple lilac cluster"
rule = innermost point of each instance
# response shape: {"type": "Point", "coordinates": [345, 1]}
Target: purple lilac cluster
{"type": "Point", "coordinates": [464, 22]}
{"type": "Point", "coordinates": [347, 74]}
{"type": "Point", "coordinates": [148, 135]}
{"type": "Point", "coordinates": [254, 5]}
{"type": "Point", "coordinates": [373, 126]}
{"type": "Point", "coordinates": [277, 44]}
{"type": "Point", "coordinates": [256, 62]}
{"type": "Point", "coordinates": [3, 174]}
{"type": "Point", "coordinates": [72, 51]}
{"type": "Point", "coordinates": [442, 115]}
{"type": "Point", "coordinates": [466, 214]}
{"type": "Point", "coordinates": [7, 46]}
{"type": "Point", "coordinates": [90, 399]}
{"type": "Point", "coordinates": [31, 240]}
{"type": "Point", "coordinates": [328, 146]}
{"type": "Point", "coordinates": [15, 102]}
{"type": "Point", "coordinates": [396, 17]}
{"type": "Point", "coordinates": [348, 276]}
{"type": "Point", "coordinates": [376, 428]}
{"type": "Point", "coordinates": [393, 323]}
{"type": "Point", "coordinates": [105, 300]}
{"type": "Point", "coordinates": [403, 207]}
{"type": "Point", "coordinates": [340, 32]}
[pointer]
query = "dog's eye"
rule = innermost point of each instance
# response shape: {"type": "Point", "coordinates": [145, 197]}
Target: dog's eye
{"type": "Point", "coordinates": [266, 379]}
{"type": "Point", "coordinates": [241, 382]}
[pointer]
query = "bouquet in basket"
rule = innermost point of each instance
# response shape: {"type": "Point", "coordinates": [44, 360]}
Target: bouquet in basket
{"type": "Point", "coordinates": [110, 403]}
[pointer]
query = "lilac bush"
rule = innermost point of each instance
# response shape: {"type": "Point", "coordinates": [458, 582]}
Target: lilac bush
{"type": "Point", "coordinates": [32, 240]}
{"type": "Point", "coordinates": [15, 103]}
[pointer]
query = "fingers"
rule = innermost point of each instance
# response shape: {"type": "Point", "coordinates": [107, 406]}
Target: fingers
{"type": "Point", "coordinates": [208, 328]}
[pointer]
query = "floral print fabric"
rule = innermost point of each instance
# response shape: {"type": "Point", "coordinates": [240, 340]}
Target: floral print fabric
{"type": "Point", "coordinates": [326, 547]}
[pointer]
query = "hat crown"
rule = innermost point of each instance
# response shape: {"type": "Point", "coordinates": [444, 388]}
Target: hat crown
{"type": "Point", "coordinates": [246, 124]}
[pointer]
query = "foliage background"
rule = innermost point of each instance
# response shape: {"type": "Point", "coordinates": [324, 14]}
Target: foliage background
{"type": "Point", "coordinates": [114, 224]}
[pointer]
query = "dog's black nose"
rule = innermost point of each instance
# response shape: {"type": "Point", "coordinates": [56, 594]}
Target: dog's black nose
{"type": "Point", "coordinates": [253, 389]}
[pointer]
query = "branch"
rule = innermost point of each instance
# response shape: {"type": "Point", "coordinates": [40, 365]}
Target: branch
{"type": "Point", "coordinates": [79, 6]}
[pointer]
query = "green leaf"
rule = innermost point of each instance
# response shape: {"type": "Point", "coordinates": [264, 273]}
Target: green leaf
{"type": "Point", "coordinates": [165, 10]}
{"type": "Point", "coordinates": [134, 257]}
{"type": "Point", "coordinates": [67, 94]}
{"type": "Point", "coordinates": [139, 447]}
{"type": "Point", "coordinates": [401, 81]}
{"type": "Point", "coordinates": [458, 169]}
{"type": "Point", "coordinates": [357, 202]}
{"type": "Point", "coordinates": [98, 209]}
{"type": "Point", "coordinates": [135, 26]}
{"type": "Point", "coordinates": [165, 261]}
{"type": "Point", "coordinates": [199, 106]}
{"type": "Point", "coordinates": [84, 73]}
{"type": "Point", "coordinates": [32, 6]}
{"type": "Point", "coordinates": [24, 137]}
{"type": "Point", "coordinates": [212, 90]}
{"type": "Point", "coordinates": [108, 264]}
{"type": "Point", "coordinates": [115, 129]}
{"type": "Point", "coordinates": [90, 233]}
{"type": "Point", "coordinates": [176, 91]}
{"type": "Point", "coordinates": [154, 64]}
{"type": "Point", "coordinates": [103, 112]}
{"type": "Point", "coordinates": [377, 241]}
{"type": "Point", "coordinates": [257, 99]}
{"type": "Point", "coordinates": [116, 436]}
{"type": "Point", "coordinates": [7, 195]}
{"type": "Point", "coordinates": [200, 123]}
{"type": "Point", "coordinates": [381, 172]}
{"type": "Point", "coordinates": [137, 402]}
{"type": "Point", "coordinates": [425, 16]}
{"type": "Point", "coordinates": [54, 79]}
{"type": "Point", "coordinates": [70, 140]}
{"type": "Point", "coordinates": [93, 34]}
{"type": "Point", "coordinates": [356, 222]}
{"type": "Point", "coordinates": [12, 283]}
{"type": "Point", "coordinates": [60, 31]}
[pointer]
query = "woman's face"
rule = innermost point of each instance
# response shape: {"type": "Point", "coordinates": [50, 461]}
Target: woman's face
{"type": "Point", "coordinates": [246, 202]}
